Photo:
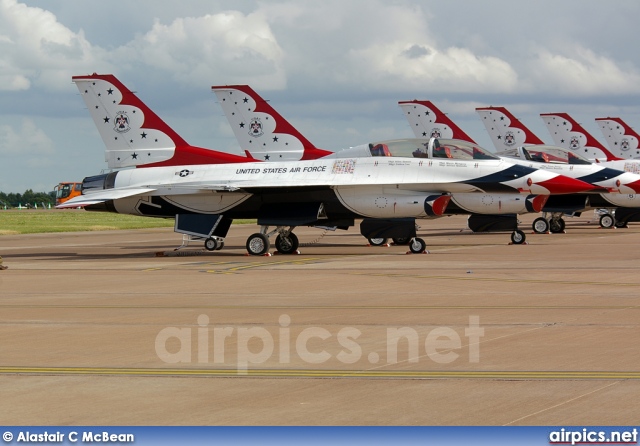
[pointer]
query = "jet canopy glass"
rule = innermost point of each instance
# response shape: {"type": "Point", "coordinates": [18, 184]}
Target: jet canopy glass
{"type": "Point", "coordinates": [434, 148]}
{"type": "Point", "coordinates": [546, 154]}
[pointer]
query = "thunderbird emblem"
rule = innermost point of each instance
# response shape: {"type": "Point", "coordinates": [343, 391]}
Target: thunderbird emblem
{"type": "Point", "coordinates": [509, 139]}
{"type": "Point", "coordinates": [121, 123]}
{"type": "Point", "coordinates": [255, 127]}
{"type": "Point", "coordinates": [624, 144]}
{"type": "Point", "coordinates": [574, 143]}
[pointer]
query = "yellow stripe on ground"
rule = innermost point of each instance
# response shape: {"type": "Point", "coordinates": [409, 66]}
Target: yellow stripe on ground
{"type": "Point", "coordinates": [331, 307]}
{"type": "Point", "coordinates": [287, 373]}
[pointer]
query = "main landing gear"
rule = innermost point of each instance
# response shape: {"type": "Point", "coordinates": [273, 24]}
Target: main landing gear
{"type": "Point", "coordinates": [286, 242]}
{"type": "Point", "coordinates": [416, 244]}
{"type": "Point", "coordinates": [555, 224]}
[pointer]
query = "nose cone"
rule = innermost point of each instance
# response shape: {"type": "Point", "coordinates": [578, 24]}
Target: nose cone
{"type": "Point", "coordinates": [561, 185]}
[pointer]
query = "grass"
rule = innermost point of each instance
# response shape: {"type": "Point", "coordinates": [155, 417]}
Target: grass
{"type": "Point", "coordinates": [33, 221]}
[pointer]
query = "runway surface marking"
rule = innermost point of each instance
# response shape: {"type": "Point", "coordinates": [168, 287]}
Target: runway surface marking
{"type": "Point", "coordinates": [230, 269]}
{"type": "Point", "coordinates": [336, 307]}
{"type": "Point", "coordinates": [282, 373]}
{"type": "Point", "coordinates": [504, 279]}
{"type": "Point", "coordinates": [562, 403]}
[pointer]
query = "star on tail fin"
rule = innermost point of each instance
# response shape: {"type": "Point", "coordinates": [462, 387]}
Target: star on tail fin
{"type": "Point", "coordinates": [568, 134]}
{"type": "Point", "coordinates": [622, 140]}
{"type": "Point", "coordinates": [262, 133]}
{"type": "Point", "coordinates": [132, 133]}
{"type": "Point", "coordinates": [505, 130]}
{"type": "Point", "coordinates": [427, 121]}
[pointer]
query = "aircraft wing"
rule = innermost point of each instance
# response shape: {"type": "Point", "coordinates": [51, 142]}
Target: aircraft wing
{"type": "Point", "coordinates": [103, 195]}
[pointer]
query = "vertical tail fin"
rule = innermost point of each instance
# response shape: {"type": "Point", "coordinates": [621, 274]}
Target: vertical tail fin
{"type": "Point", "coordinates": [505, 130]}
{"type": "Point", "coordinates": [132, 133]}
{"type": "Point", "coordinates": [621, 138]}
{"type": "Point", "coordinates": [261, 131]}
{"type": "Point", "coordinates": [567, 133]}
{"type": "Point", "coordinates": [428, 121]}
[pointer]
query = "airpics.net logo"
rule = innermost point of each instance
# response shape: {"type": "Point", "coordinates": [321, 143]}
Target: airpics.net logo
{"type": "Point", "coordinates": [247, 346]}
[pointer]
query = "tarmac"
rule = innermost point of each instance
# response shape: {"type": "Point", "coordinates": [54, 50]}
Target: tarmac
{"type": "Point", "coordinates": [97, 328]}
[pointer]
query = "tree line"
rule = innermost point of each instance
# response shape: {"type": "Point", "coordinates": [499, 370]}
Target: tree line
{"type": "Point", "coordinates": [28, 199]}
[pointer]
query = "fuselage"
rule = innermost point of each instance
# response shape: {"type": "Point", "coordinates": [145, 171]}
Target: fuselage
{"type": "Point", "coordinates": [378, 187]}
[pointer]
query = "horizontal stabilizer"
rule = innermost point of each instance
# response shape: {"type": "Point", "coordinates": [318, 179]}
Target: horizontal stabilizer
{"type": "Point", "coordinates": [103, 195]}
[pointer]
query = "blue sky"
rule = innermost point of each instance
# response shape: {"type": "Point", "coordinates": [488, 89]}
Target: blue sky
{"type": "Point", "coordinates": [335, 68]}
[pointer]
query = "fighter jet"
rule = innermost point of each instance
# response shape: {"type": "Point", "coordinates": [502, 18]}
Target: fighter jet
{"type": "Point", "coordinates": [622, 199]}
{"type": "Point", "coordinates": [205, 190]}
{"type": "Point", "coordinates": [273, 137]}
{"type": "Point", "coordinates": [507, 132]}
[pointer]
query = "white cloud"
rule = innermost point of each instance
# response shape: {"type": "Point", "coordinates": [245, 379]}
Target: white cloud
{"type": "Point", "coordinates": [28, 140]}
{"type": "Point", "coordinates": [37, 49]}
{"type": "Point", "coordinates": [582, 73]}
{"type": "Point", "coordinates": [409, 65]}
{"type": "Point", "coordinates": [375, 45]}
{"type": "Point", "coordinates": [228, 47]}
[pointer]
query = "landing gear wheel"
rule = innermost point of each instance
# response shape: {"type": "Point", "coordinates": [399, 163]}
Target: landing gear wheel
{"type": "Point", "coordinates": [401, 240]}
{"type": "Point", "coordinates": [621, 224]}
{"type": "Point", "coordinates": [220, 245]}
{"type": "Point", "coordinates": [211, 244]}
{"type": "Point", "coordinates": [379, 241]}
{"type": "Point", "coordinates": [417, 245]}
{"type": "Point", "coordinates": [258, 244]}
{"type": "Point", "coordinates": [540, 225]}
{"type": "Point", "coordinates": [607, 221]}
{"type": "Point", "coordinates": [287, 244]}
{"type": "Point", "coordinates": [518, 237]}
{"type": "Point", "coordinates": [556, 226]}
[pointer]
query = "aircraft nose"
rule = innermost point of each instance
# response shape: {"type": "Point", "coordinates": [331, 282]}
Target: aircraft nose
{"type": "Point", "coordinates": [564, 185]}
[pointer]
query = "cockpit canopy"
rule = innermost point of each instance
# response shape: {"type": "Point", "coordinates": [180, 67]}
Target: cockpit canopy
{"type": "Point", "coordinates": [546, 154]}
{"type": "Point", "coordinates": [434, 148]}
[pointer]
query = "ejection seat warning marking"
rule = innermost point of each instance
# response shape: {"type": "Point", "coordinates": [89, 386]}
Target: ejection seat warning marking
{"type": "Point", "coordinates": [344, 166]}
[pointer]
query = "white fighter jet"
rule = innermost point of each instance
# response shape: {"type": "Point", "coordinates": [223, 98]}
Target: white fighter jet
{"type": "Point", "coordinates": [615, 185]}
{"type": "Point", "coordinates": [205, 190]}
{"type": "Point", "coordinates": [618, 177]}
{"type": "Point", "coordinates": [273, 137]}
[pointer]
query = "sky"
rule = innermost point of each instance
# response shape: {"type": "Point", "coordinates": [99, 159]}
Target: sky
{"type": "Point", "coordinates": [334, 68]}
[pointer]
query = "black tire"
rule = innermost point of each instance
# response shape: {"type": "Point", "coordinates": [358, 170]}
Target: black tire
{"type": "Point", "coordinates": [607, 221]}
{"type": "Point", "coordinates": [621, 224]}
{"type": "Point", "coordinates": [377, 241]}
{"type": "Point", "coordinates": [417, 245]}
{"type": "Point", "coordinates": [556, 226]}
{"type": "Point", "coordinates": [518, 237]}
{"type": "Point", "coordinates": [220, 245]}
{"type": "Point", "coordinates": [540, 225]}
{"type": "Point", "coordinates": [401, 240]}
{"type": "Point", "coordinates": [258, 244]}
{"type": "Point", "coordinates": [287, 244]}
{"type": "Point", "coordinates": [210, 244]}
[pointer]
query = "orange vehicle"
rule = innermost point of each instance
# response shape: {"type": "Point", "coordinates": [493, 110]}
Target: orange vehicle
{"type": "Point", "coordinates": [66, 191]}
